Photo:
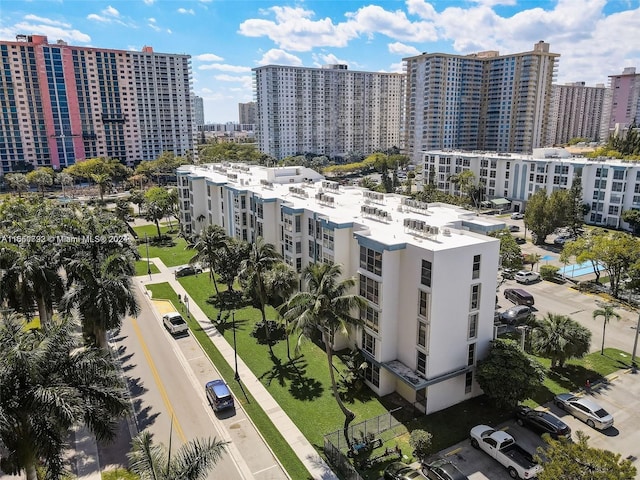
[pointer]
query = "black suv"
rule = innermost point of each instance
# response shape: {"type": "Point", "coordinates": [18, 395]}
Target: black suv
{"type": "Point", "coordinates": [187, 270]}
{"type": "Point", "coordinates": [542, 422]}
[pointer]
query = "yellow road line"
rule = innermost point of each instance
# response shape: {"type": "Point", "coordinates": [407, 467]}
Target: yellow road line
{"type": "Point", "coordinates": [156, 376]}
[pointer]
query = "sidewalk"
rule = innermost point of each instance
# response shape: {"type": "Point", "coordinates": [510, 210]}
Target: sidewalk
{"type": "Point", "coordinates": [300, 445]}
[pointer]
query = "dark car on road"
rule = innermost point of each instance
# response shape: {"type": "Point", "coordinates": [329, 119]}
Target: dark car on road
{"type": "Point", "coordinates": [402, 471]}
{"type": "Point", "coordinates": [443, 470]}
{"type": "Point", "coordinates": [517, 314]}
{"type": "Point", "coordinates": [542, 422]}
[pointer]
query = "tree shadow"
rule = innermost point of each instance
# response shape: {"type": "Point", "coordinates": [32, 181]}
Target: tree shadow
{"type": "Point", "coordinates": [143, 418]}
{"type": "Point", "coordinates": [228, 300]}
{"type": "Point", "coordinates": [163, 241]}
{"type": "Point", "coordinates": [276, 332]}
{"type": "Point", "coordinates": [573, 377]}
{"type": "Point", "coordinates": [294, 370]}
{"type": "Point", "coordinates": [305, 388]}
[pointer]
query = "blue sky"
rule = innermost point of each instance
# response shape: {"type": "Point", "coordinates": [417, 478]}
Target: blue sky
{"type": "Point", "coordinates": [227, 38]}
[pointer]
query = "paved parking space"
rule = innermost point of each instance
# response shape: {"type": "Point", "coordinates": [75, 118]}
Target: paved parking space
{"type": "Point", "coordinates": [620, 397]}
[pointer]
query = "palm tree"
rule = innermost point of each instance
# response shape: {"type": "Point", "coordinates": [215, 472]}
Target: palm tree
{"type": "Point", "coordinates": [193, 461]}
{"type": "Point", "coordinates": [327, 307]}
{"type": "Point", "coordinates": [208, 246]}
{"type": "Point", "coordinates": [559, 338]}
{"type": "Point", "coordinates": [102, 293]}
{"type": "Point", "coordinates": [607, 312]}
{"type": "Point", "coordinates": [48, 384]}
{"type": "Point", "coordinates": [281, 282]}
{"type": "Point", "coordinates": [262, 257]}
{"type": "Point", "coordinates": [28, 275]}
{"type": "Point", "coordinates": [103, 180]}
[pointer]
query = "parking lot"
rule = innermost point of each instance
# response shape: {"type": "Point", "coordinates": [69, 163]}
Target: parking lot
{"type": "Point", "coordinates": [620, 397]}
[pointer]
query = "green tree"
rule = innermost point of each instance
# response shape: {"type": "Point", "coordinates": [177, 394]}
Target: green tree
{"type": "Point", "coordinates": [507, 375]}
{"type": "Point", "coordinates": [632, 217]}
{"type": "Point", "coordinates": [208, 246]}
{"type": "Point", "coordinates": [559, 338]}
{"type": "Point", "coordinates": [544, 214]}
{"type": "Point", "coordinates": [607, 312]}
{"type": "Point", "coordinates": [281, 282]}
{"type": "Point", "coordinates": [575, 206]}
{"type": "Point", "coordinates": [17, 182]}
{"type": "Point", "coordinates": [64, 179]}
{"type": "Point", "coordinates": [123, 209]}
{"type": "Point", "coordinates": [103, 180]}
{"type": "Point", "coordinates": [137, 198]}
{"type": "Point", "coordinates": [48, 384]}
{"type": "Point", "coordinates": [157, 202]}
{"type": "Point", "coordinates": [578, 461]}
{"type": "Point", "coordinates": [616, 252]}
{"type": "Point", "coordinates": [326, 307]}
{"type": "Point", "coordinates": [582, 249]}
{"type": "Point", "coordinates": [532, 259]}
{"type": "Point", "coordinates": [41, 177]}
{"type": "Point", "coordinates": [103, 293]}
{"type": "Point", "coordinates": [262, 257]}
{"type": "Point", "coordinates": [193, 461]}
{"type": "Point", "coordinates": [420, 441]}
{"type": "Point", "coordinates": [510, 251]}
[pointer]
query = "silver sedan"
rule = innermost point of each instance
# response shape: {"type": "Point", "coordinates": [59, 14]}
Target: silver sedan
{"type": "Point", "coordinates": [585, 409]}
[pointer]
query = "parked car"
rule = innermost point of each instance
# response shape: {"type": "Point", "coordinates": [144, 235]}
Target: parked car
{"type": "Point", "coordinates": [559, 241]}
{"type": "Point", "coordinates": [187, 270]}
{"type": "Point", "coordinates": [514, 228]}
{"type": "Point", "coordinates": [508, 273]}
{"type": "Point", "coordinates": [517, 216]}
{"type": "Point", "coordinates": [402, 471]}
{"type": "Point", "coordinates": [542, 422]}
{"type": "Point", "coordinates": [526, 277]}
{"type": "Point", "coordinates": [503, 448]}
{"type": "Point", "coordinates": [519, 296]}
{"type": "Point", "coordinates": [521, 240]}
{"type": "Point", "coordinates": [585, 409]}
{"type": "Point", "coordinates": [443, 470]}
{"type": "Point", "coordinates": [218, 395]}
{"type": "Point", "coordinates": [174, 323]}
{"type": "Point", "coordinates": [516, 314]}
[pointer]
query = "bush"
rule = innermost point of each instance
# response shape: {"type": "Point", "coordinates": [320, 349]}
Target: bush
{"type": "Point", "coordinates": [420, 441]}
{"type": "Point", "coordinates": [548, 272]}
{"type": "Point", "coordinates": [119, 474]}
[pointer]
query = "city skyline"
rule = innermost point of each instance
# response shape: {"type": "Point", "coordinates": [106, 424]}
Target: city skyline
{"type": "Point", "coordinates": [226, 42]}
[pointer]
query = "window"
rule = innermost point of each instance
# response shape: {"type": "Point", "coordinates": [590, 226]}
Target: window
{"type": "Point", "coordinates": [473, 326]}
{"type": "Point", "coordinates": [372, 374]}
{"type": "Point", "coordinates": [476, 267]}
{"type": "Point", "coordinates": [298, 225]}
{"type": "Point", "coordinates": [475, 297]}
{"type": "Point", "coordinates": [368, 343]}
{"type": "Point", "coordinates": [425, 274]}
{"type": "Point", "coordinates": [421, 363]}
{"type": "Point", "coordinates": [371, 260]}
{"type": "Point", "coordinates": [369, 317]}
{"type": "Point", "coordinates": [369, 289]}
{"type": "Point", "coordinates": [421, 397]}
{"type": "Point", "coordinates": [422, 333]}
{"type": "Point", "coordinates": [468, 382]}
{"type": "Point", "coordinates": [471, 355]}
{"type": "Point", "coordinates": [423, 306]}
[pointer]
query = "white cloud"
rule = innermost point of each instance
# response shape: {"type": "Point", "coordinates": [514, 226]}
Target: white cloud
{"type": "Point", "coordinates": [245, 82]}
{"type": "Point", "coordinates": [112, 12]}
{"type": "Point", "coordinates": [279, 57]}
{"type": "Point", "coordinates": [154, 27]}
{"type": "Point", "coordinates": [208, 57]}
{"type": "Point", "coordinates": [107, 15]}
{"type": "Point", "coordinates": [69, 35]}
{"type": "Point", "coordinates": [398, 48]}
{"type": "Point", "coordinates": [320, 59]}
{"type": "Point", "coordinates": [223, 67]}
{"type": "Point", "coordinates": [152, 20]}
{"type": "Point", "coordinates": [149, 2]}
{"type": "Point", "coordinates": [373, 19]}
{"type": "Point", "coordinates": [184, 11]}
{"type": "Point", "coordinates": [48, 21]}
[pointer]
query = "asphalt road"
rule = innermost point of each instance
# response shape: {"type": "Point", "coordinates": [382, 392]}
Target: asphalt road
{"type": "Point", "coordinates": [166, 379]}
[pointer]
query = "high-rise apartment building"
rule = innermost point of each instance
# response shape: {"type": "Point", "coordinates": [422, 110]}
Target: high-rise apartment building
{"type": "Point", "coordinates": [576, 112]}
{"type": "Point", "coordinates": [62, 104]}
{"type": "Point", "coordinates": [247, 113]}
{"type": "Point", "coordinates": [327, 111]}
{"type": "Point", "coordinates": [480, 101]}
{"type": "Point", "coordinates": [198, 111]}
{"type": "Point", "coordinates": [623, 106]}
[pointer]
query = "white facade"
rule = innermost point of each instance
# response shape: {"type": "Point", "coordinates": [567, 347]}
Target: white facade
{"type": "Point", "coordinates": [428, 272]}
{"type": "Point", "coordinates": [609, 186]}
{"type": "Point", "coordinates": [326, 111]}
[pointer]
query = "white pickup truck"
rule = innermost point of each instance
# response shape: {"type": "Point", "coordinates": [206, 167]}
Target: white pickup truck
{"type": "Point", "coordinates": [502, 447]}
{"type": "Point", "coordinates": [174, 323]}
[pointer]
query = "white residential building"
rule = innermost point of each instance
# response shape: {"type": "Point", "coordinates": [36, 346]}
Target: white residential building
{"type": "Point", "coordinates": [428, 272]}
{"type": "Point", "coordinates": [609, 186]}
{"type": "Point", "coordinates": [329, 111]}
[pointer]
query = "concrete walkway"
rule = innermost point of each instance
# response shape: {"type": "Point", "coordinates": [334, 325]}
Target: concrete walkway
{"type": "Point", "coordinates": [300, 445]}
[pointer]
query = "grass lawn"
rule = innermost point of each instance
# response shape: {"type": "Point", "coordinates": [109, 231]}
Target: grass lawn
{"type": "Point", "coordinates": [278, 444]}
{"type": "Point", "coordinates": [151, 230]}
{"type": "Point", "coordinates": [172, 256]}
{"type": "Point", "coordinates": [141, 268]}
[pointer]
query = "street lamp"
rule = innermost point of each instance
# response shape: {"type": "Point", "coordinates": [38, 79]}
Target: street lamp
{"type": "Point", "coordinates": [146, 239]}
{"type": "Point", "coordinates": [186, 302]}
{"type": "Point", "coordinates": [235, 348]}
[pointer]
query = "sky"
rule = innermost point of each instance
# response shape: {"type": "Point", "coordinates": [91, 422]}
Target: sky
{"type": "Point", "coordinates": [227, 38]}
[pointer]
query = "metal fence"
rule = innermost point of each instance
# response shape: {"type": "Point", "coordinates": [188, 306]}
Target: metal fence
{"type": "Point", "coordinates": [385, 427]}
